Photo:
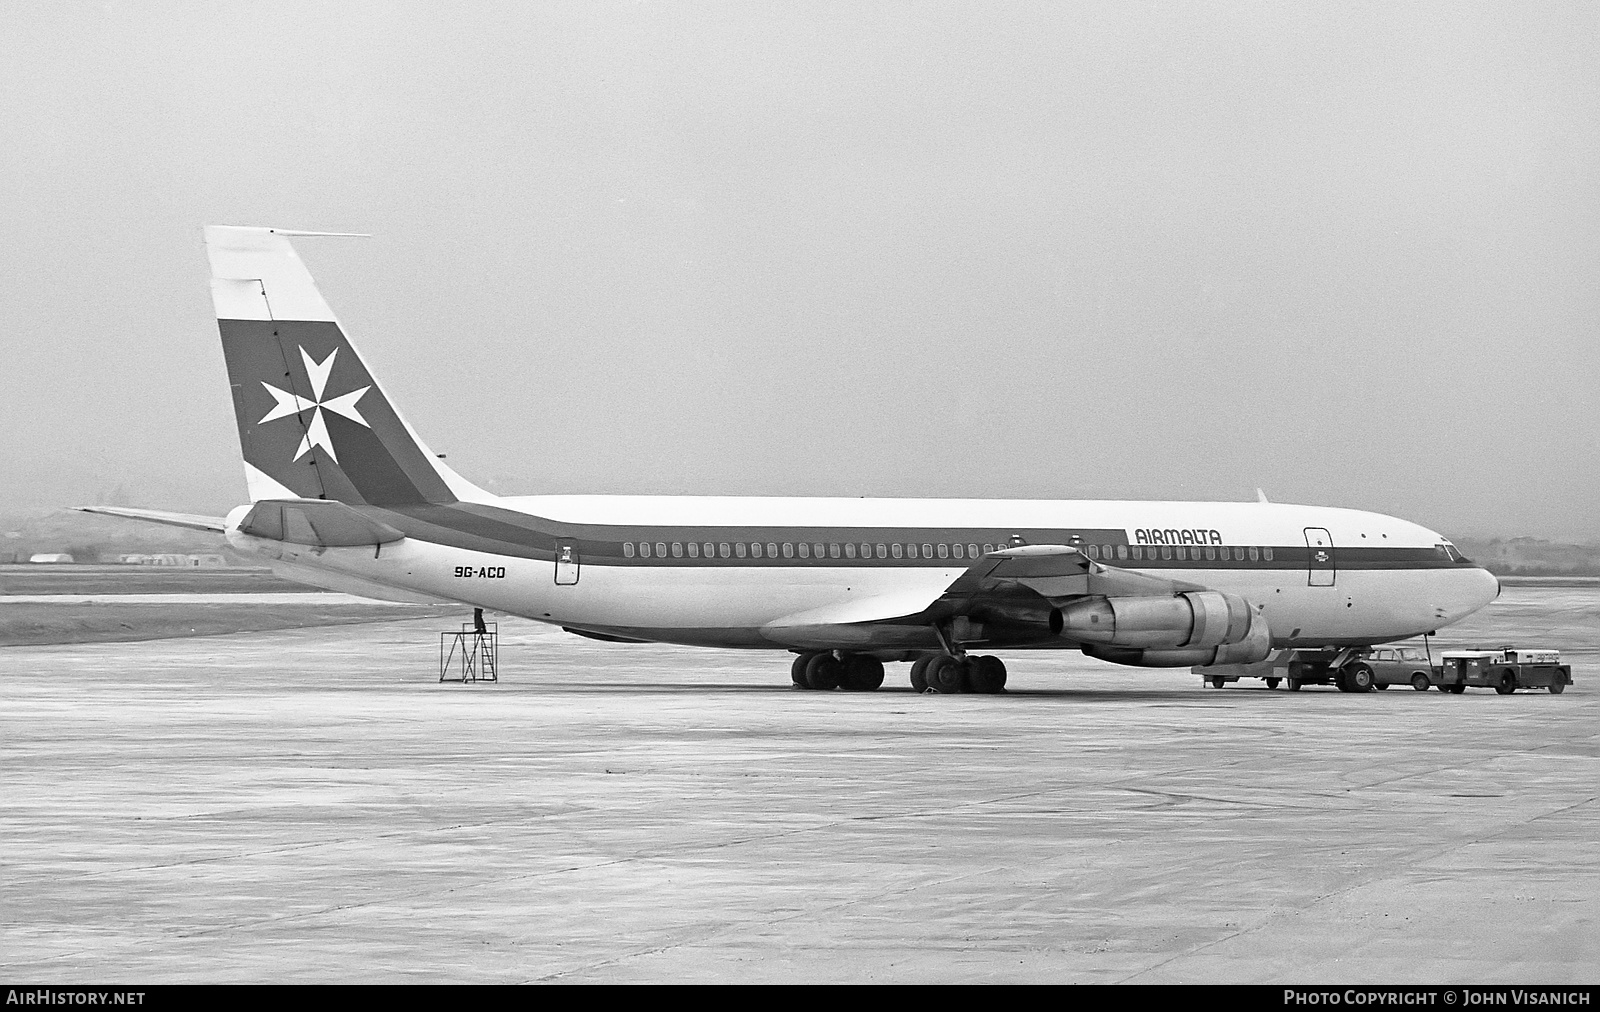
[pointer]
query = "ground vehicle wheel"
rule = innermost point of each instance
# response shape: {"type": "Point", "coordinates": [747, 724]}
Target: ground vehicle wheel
{"type": "Point", "coordinates": [1272, 683]}
{"type": "Point", "coordinates": [1456, 689]}
{"type": "Point", "coordinates": [862, 673]}
{"type": "Point", "coordinates": [919, 673]}
{"type": "Point", "coordinates": [1420, 682]}
{"type": "Point", "coordinates": [1557, 685]}
{"type": "Point", "coordinates": [1217, 681]}
{"type": "Point", "coordinates": [1294, 685]}
{"type": "Point", "coordinates": [797, 670]}
{"type": "Point", "coordinates": [824, 672]}
{"type": "Point", "coordinates": [986, 674]}
{"type": "Point", "coordinates": [1360, 678]}
{"type": "Point", "coordinates": [1507, 683]}
{"type": "Point", "coordinates": [946, 674]}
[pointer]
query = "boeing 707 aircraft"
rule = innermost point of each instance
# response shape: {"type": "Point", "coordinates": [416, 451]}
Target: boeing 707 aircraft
{"type": "Point", "coordinates": [344, 495]}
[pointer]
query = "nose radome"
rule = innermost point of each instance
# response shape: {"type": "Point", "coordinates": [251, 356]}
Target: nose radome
{"type": "Point", "coordinates": [1488, 587]}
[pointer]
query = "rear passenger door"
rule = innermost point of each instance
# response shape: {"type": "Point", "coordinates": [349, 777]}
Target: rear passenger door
{"type": "Point", "coordinates": [567, 563]}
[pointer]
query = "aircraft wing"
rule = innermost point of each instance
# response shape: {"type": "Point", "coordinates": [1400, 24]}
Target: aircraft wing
{"type": "Point", "coordinates": [192, 521]}
{"type": "Point", "coordinates": [1030, 579]}
{"type": "Point", "coordinates": [1057, 573]}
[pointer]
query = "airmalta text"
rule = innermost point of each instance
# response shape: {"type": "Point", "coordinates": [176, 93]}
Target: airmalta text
{"type": "Point", "coordinates": [1173, 536]}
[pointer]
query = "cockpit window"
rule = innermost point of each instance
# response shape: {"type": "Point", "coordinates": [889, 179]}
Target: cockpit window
{"type": "Point", "coordinates": [1450, 552]}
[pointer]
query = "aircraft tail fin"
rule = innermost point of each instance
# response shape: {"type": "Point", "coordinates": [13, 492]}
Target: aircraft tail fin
{"type": "Point", "coordinates": [313, 422]}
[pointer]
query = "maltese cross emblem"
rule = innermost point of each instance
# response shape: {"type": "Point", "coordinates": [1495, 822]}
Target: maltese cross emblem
{"type": "Point", "coordinates": [343, 405]}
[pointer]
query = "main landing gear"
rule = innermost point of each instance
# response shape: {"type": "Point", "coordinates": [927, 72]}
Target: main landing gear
{"type": "Point", "coordinates": [851, 672]}
{"type": "Point", "coordinates": [944, 673]}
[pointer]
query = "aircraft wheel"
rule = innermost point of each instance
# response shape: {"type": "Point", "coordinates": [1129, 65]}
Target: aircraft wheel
{"type": "Point", "coordinates": [946, 675]}
{"type": "Point", "coordinates": [1456, 689]}
{"type": "Point", "coordinates": [1507, 683]}
{"type": "Point", "coordinates": [1380, 686]}
{"type": "Point", "coordinates": [1217, 681]}
{"type": "Point", "coordinates": [987, 674]}
{"type": "Point", "coordinates": [823, 671]}
{"type": "Point", "coordinates": [1294, 685]}
{"type": "Point", "coordinates": [1272, 683]}
{"type": "Point", "coordinates": [1420, 682]}
{"type": "Point", "coordinates": [919, 673]}
{"type": "Point", "coordinates": [797, 670]}
{"type": "Point", "coordinates": [862, 673]}
{"type": "Point", "coordinates": [1358, 678]}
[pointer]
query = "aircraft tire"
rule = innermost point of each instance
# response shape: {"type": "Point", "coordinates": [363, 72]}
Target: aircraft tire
{"type": "Point", "coordinates": [1380, 686]}
{"type": "Point", "coordinates": [1217, 681]}
{"type": "Point", "coordinates": [1272, 683]}
{"type": "Point", "coordinates": [919, 673]}
{"type": "Point", "coordinates": [986, 674]}
{"type": "Point", "coordinates": [1507, 683]}
{"type": "Point", "coordinates": [1294, 685]}
{"type": "Point", "coordinates": [1420, 682]}
{"type": "Point", "coordinates": [1456, 689]}
{"type": "Point", "coordinates": [946, 675]}
{"type": "Point", "coordinates": [862, 673]}
{"type": "Point", "coordinates": [1359, 678]}
{"type": "Point", "coordinates": [823, 672]}
{"type": "Point", "coordinates": [797, 670]}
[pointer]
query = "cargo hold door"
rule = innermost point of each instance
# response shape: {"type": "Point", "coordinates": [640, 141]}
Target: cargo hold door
{"type": "Point", "coordinates": [1319, 558]}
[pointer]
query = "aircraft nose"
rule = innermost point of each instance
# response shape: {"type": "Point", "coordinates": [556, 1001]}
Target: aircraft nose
{"type": "Point", "coordinates": [1472, 589]}
{"type": "Point", "coordinates": [1488, 587]}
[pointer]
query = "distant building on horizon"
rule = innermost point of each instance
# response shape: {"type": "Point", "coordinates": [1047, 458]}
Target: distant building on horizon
{"type": "Point", "coordinates": [204, 559]}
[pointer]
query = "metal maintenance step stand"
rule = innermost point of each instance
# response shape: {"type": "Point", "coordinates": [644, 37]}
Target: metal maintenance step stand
{"type": "Point", "coordinates": [471, 653]}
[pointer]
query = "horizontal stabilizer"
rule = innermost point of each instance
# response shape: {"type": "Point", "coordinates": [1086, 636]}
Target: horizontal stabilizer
{"type": "Point", "coordinates": [192, 521]}
{"type": "Point", "coordinates": [320, 523]}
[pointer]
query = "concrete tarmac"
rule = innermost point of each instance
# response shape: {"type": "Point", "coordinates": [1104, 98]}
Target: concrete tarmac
{"type": "Point", "coordinates": [311, 805]}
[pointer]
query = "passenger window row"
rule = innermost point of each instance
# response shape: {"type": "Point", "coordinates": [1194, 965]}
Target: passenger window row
{"type": "Point", "coordinates": [801, 550]}
{"type": "Point", "coordinates": [869, 550]}
{"type": "Point", "coordinates": [1192, 553]}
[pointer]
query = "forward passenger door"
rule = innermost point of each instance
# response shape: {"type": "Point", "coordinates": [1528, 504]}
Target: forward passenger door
{"type": "Point", "coordinates": [1320, 570]}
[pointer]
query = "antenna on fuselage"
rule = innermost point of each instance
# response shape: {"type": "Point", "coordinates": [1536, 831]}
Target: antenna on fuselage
{"type": "Point", "coordinates": [1261, 496]}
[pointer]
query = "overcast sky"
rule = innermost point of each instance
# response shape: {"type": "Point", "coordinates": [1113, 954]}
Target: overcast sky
{"type": "Point", "coordinates": [1347, 253]}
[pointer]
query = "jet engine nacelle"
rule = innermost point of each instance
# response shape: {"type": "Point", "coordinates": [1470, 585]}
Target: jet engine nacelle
{"type": "Point", "coordinates": [1253, 646]}
{"type": "Point", "coordinates": [1198, 620]}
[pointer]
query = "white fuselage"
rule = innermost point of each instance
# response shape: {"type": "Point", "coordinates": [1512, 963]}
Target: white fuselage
{"type": "Point", "coordinates": [1374, 589]}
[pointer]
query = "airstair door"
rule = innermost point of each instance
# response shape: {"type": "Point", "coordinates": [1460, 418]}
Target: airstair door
{"type": "Point", "coordinates": [566, 563]}
{"type": "Point", "coordinates": [1319, 555]}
